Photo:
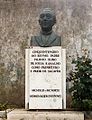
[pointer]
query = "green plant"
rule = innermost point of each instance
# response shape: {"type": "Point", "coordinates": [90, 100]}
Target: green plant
{"type": "Point", "coordinates": [81, 78]}
{"type": "Point", "coordinates": [3, 106]}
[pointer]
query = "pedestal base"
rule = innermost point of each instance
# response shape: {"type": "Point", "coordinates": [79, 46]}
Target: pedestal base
{"type": "Point", "coordinates": [20, 114]}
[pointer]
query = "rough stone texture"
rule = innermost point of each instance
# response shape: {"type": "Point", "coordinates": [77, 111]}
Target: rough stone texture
{"type": "Point", "coordinates": [2, 114]}
{"type": "Point", "coordinates": [19, 21]}
{"type": "Point", "coordinates": [43, 115]}
{"type": "Point", "coordinates": [2, 118]}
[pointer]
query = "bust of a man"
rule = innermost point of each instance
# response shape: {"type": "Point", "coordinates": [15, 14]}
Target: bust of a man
{"type": "Point", "coordinates": [46, 37]}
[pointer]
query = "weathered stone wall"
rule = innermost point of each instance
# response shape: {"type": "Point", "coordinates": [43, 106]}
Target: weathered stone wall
{"type": "Point", "coordinates": [19, 21]}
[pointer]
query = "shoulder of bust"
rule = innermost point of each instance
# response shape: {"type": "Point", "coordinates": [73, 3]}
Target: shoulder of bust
{"type": "Point", "coordinates": [35, 40]}
{"type": "Point", "coordinates": [55, 34]}
{"type": "Point", "coordinates": [35, 37]}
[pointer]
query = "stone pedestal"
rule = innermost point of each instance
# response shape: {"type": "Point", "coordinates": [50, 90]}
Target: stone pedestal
{"type": "Point", "coordinates": [45, 78]}
{"type": "Point", "coordinates": [20, 114]}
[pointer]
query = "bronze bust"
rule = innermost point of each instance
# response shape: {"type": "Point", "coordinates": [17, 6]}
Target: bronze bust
{"type": "Point", "coordinates": [47, 37]}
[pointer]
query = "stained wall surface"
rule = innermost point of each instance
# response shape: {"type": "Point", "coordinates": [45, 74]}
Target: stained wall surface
{"type": "Point", "coordinates": [19, 21]}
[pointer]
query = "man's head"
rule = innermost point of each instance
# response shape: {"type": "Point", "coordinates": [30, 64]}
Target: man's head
{"type": "Point", "coordinates": [47, 19]}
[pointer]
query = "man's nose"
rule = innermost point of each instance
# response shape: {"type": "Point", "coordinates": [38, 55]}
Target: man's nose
{"type": "Point", "coordinates": [45, 18]}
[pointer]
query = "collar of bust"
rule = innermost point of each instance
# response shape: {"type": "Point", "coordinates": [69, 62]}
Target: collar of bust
{"type": "Point", "coordinates": [52, 37]}
{"type": "Point", "coordinates": [46, 33]}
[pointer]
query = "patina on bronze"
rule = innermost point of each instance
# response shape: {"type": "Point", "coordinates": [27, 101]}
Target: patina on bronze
{"type": "Point", "coordinates": [47, 37]}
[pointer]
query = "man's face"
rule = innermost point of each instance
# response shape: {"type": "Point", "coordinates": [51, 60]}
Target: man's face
{"type": "Point", "coordinates": [46, 20]}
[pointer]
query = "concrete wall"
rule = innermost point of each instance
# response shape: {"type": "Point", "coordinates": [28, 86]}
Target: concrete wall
{"type": "Point", "coordinates": [19, 21]}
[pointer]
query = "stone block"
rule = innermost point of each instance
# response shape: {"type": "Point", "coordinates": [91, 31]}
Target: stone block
{"type": "Point", "coordinates": [2, 114]}
{"type": "Point", "coordinates": [44, 115]}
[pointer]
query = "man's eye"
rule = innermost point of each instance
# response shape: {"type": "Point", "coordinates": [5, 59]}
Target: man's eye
{"type": "Point", "coordinates": [42, 16]}
{"type": "Point", "coordinates": [48, 16]}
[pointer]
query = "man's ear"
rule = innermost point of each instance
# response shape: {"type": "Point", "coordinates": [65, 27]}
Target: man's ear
{"type": "Point", "coordinates": [54, 21]}
{"type": "Point", "coordinates": [39, 21]}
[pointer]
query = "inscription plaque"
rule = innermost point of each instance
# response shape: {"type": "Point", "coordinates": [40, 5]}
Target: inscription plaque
{"type": "Point", "coordinates": [45, 85]}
